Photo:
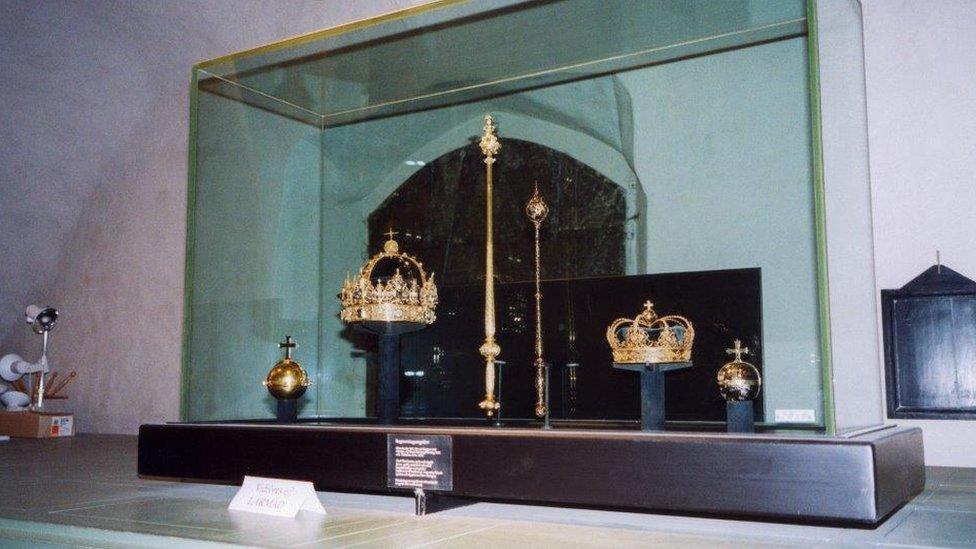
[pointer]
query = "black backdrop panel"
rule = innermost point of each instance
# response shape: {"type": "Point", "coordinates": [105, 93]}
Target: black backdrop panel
{"type": "Point", "coordinates": [443, 375]}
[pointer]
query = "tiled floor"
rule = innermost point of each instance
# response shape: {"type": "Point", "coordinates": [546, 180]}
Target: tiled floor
{"type": "Point", "coordinates": [84, 492]}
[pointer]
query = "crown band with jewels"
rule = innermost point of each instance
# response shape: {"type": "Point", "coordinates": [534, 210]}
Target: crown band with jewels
{"type": "Point", "coordinates": [409, 297]}
{"type": "Point", "coordinates": [650, 339]}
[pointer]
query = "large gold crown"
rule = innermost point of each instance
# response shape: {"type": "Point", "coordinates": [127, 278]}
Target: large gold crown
{"type": "Point", "coordinates": [408, 296]}
{"type": "Point", "coordinates": [650, 339]}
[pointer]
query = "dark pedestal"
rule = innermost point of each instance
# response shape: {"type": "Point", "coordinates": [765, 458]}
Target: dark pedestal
{"type": "Point", "coordinates": [740, 417]}
{"type": "Point", "coordinates": [287, 410]}
{"type": "Point", "coordinates": [856, 478]}
{"type": "Point", "coordinates": [388, 378]}
{"type": "Point", "coordinates": [652, 390]}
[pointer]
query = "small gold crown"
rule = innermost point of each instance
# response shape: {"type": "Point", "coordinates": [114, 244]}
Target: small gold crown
{"type": "Point", "coordinates": [650, 339]}
{"type": "Point", "coordinates": [410, 296]}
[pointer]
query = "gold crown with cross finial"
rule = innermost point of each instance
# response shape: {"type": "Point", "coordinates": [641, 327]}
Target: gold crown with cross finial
{"type": "Point", "coordinates": [651, 339]}
{"type": "Point", "coordinates": [409, 295]}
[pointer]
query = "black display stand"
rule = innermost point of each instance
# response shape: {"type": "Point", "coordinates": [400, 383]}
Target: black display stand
{"type": "Point", "coordinates": [740, 417]}
{"type": "Point", "coordinates": [652, 390]}
{"type": "Point", "coordinates": [388, 386]}
{"type": "Point", "coordinates": [853, 478]}
{"type": "Point", "coordinates": [287, 410]}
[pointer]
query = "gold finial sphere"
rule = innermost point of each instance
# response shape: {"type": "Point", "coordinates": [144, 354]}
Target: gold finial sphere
{"type": "Point", "coordinates": [489, 141]}
{"type": "Point", "coordinates": [536, 208]}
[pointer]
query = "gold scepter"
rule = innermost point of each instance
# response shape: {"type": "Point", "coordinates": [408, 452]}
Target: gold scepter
{"type": "Point", "coordinates": [537, 210]}
{"type": "Point", "coordinates": [489, 349]}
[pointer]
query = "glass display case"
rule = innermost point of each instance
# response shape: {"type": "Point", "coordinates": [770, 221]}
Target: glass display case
{"type": "Point", "coordinates": [677, 145]}
{"type": "Point", "coordinates": [623, 207]}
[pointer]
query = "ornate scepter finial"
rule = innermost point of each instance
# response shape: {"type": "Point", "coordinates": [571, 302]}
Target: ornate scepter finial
{"type": "Point", "coordinates": [489, 349]}
{"type": "Point", "coordinates": [489, 141]}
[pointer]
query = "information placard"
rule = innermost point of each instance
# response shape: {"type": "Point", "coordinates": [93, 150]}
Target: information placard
{"type": "Point", "coordinates": [419, 461]}
{"type": "Point", "coordinates": [276, 496]}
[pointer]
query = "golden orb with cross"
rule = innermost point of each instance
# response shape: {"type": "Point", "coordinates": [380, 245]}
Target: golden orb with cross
{"type": "Point", "coordinates": [405, 294]}
{"type": "Point", "coordinates": [738, 380]}
{"type": "Point", "coordinates": [287, 379]}
{"type": "Point", "coordinates": [651, 339]}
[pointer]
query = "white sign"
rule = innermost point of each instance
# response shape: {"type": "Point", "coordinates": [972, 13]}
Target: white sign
{"type": "Point", "coordinates": [795, 416]}
{"type": "Point", "coordinates": [278, 497]}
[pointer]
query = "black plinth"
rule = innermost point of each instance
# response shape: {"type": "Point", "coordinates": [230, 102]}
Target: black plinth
{"type": "Point", "coordinates": [740, 417]}
{"type": "Point", "coordinates": [287, 410]}
{"type": "Point", "coordinates": [388, 386]}
{"type": "Point", "coordinates": [652, 390]}
{"type": "Point", "coordinates": [859, 478]}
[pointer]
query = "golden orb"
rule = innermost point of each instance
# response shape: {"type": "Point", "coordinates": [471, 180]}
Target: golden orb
{"type": "Point", "coordinates": [287, 379]}
{"type": "Point", "coordinates": [738, 380]}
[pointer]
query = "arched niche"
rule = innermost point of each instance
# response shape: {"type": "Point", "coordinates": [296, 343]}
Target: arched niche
{"type": "Point", "coordinates": [569, 147]}
{"type": "Point", "coordinates": [440, 218]}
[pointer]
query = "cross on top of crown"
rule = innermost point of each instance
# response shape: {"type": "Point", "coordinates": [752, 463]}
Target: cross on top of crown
{"type": "Point", "coordinates": [738, 350]}
{"type": "Point", "coordinates": [288, 344]}
{"type": "Point", "coordinates": [391, 246]}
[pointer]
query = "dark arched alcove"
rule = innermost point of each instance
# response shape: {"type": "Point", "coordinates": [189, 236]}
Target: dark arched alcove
{"type": "Point", "coordinates": [439, 213]}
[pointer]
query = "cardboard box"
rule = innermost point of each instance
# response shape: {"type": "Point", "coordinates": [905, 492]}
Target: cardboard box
{"type": "Point", "coordinates": [37, 424]}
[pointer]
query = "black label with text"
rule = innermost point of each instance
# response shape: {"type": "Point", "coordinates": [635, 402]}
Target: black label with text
{"type": "Point", "coordinates": [419, 461]}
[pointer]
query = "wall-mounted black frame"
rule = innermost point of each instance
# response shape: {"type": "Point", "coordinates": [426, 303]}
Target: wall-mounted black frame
{"type": "Point", "coordinates": [929, 329]}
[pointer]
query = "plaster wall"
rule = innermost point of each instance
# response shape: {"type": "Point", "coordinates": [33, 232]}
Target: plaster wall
{"type": "Point", "coordinates": [920, 62]}
{"type": "Point", "coordinates": [93, 181]}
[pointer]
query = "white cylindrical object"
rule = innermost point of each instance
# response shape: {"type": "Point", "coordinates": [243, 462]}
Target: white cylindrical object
{"type": "Point", "coordinates": [7, 362]}
{"type": "Point", "coordinates": [12, 367]}
{"type": "Point", "coordinates": [15, 400]}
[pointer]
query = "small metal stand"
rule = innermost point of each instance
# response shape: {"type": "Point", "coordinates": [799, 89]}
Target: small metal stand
{"type": "Point", "coordinates": [546, 424]}
{"type": "Point", "coordinates": [287, 410]}
{"type": "Point", "coordinates": [652, 390]}
{"type": "Point", "coordinates": [497, 421]}
{"type": "Point", "coordinates": [388, 389]}
{"type": "Point", "coordinates": [740, 417]}
{"type": "Point", "coordinates": [425, 503]}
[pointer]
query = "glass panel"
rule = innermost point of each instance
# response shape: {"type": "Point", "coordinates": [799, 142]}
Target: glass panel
{"type": "Point", "coordinates": [842, 101]}
{"type": "Point", "coordinates": [680, 175]}
{"type": "Point", "coordinates": [421, 62]}
{"type": "Point", "coordinates": [253, 255]}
